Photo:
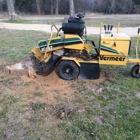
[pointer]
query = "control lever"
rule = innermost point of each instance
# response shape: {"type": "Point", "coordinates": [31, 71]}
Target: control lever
{"type": "Point", "coordinates": [111, 27]}
{"type": "Point", "coordinates": [105, 27]}
{"type": "Point", "coordinates": [108, 27]}
{"type": "Point", "coordinates": [138, 30]}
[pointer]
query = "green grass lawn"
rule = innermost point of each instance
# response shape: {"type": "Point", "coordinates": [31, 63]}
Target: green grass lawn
{"type": "Point", "coordinates": [106, 109]}
{"type": "Point", "coordinates": [16, 45]}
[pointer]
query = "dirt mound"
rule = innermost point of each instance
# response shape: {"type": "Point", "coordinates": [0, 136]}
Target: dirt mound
{"type": "Point", "coordinates": [42, 88]}
{"type": "Point", "coordinates": [50, 89]}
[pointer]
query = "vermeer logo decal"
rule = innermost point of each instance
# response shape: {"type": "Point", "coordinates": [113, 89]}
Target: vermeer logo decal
{"type": "Point", "coordinates": [105, 58]}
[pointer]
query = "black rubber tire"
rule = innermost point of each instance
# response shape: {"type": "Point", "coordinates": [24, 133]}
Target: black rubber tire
{"type": "Point", "coordinates": [135, 71]}
{"type": "Point", "coordinates": [67, 70]}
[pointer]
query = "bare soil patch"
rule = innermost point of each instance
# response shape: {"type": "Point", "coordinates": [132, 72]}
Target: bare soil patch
{"type": "Point", "coordinates": [50, 89]}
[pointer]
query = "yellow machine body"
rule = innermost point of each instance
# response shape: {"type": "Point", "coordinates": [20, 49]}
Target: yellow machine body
{"type": "Point", "coordinates": [114, 49]}
{"type": "Point", "coordinates": [70, 42]}
{"type": "Point", "coordinates": [72, 56]}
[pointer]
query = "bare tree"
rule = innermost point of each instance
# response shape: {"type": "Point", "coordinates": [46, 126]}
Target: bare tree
{"type": "Point", "coordinates": [112, 6]}
{"type": "Point", "coordinates": [56, 7]}
{"type": "Point", "coordinates": [71, 5]}
{"type": "Point", "coordinates": [52, 4]}
{"type": "Point", "coordinates": [67, 6]}
{"type": "Point", "coordinates": [38, 7]}
{"type": "Point", "coordinates": [11, 8]}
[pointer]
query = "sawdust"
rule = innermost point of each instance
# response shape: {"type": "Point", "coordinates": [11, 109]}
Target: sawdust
{"type": "Point", "coordinates": [42, 88]}
{"type": "Point", "coordinates": [50, 89]}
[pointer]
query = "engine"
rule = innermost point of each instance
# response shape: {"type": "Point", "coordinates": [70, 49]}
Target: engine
{"type": "Point", "coordinates": [75, 25]}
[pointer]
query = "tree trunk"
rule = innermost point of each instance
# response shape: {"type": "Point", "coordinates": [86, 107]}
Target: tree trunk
{"type": "Point", "coordinates": [71, 5]}
{"type": "Point", "coordinates": [112, 7]}
{"type": "Point", "coordinates": [56, 6]}
{"type": "Point", "coordinates": [52, 7]}
{"type": "Point", "coordinates": [38, 7]}
{"type": "Point", "coordinates": [1, 7]}
{"type": "Point", "coordinates": [11, 9]}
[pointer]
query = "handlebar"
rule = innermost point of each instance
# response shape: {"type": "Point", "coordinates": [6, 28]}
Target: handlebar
{"type": "Point", "coordinates": [52, 30]}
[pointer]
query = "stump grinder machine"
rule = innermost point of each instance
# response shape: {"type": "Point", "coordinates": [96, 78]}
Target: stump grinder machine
{"type": "Point", "coordinates": [72, 55]}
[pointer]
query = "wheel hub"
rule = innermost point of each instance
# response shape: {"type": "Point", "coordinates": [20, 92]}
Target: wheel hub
{"type": "Point", "coordinates": [67, 70]}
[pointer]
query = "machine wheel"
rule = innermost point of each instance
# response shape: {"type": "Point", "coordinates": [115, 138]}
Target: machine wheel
{"type": "Point", "coordinates": [67, 70]}
{"type": "Point", "coordinates": [135, 71]}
